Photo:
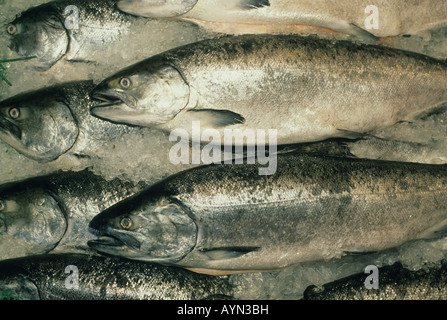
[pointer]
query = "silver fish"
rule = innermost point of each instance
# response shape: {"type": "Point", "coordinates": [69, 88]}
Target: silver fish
{"type": "Point", "coordinates": [84, 277]}
{"type": "Point", "coordinates": [75, 30]}
{"type": "Point", "coordinates": [393, 17]}
{"type": "Point", "coordinates": [222, 219]}
{"type": "Point", "coordinates": [393, 283]}
{"type": "Point", "coordinates": [308, 89]}
{"type": "Point", "coordinates": [49, 32]}
{"type": "Point", "coordinates": [52, 213]}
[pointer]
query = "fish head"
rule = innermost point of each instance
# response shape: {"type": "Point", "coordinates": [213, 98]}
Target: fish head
{"type": "Point", "coordinates": [31, 221]}
{"type": "Point", "coordinates": [39, 125]}
{"type": "Point", "coordinates": [158, 231]}
{"type": "Point", "coordinates": [156, 8]}
{"type": "Point", "coordinates": [39, 32]}
{"type": "Point", "coordinates": [141, 95]}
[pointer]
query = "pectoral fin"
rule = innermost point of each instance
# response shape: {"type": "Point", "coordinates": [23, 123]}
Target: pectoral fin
{"type": "Point", "coordinates": [216, 118]}
{"type": "Point", "coordinates": [227, 253]}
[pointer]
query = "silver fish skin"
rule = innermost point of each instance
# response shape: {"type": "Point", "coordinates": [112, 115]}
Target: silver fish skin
{"type": "Point", "coordinates": [394, 283]}
{"type": "Point", "coordinates": [51, 277]}
{"type": "Point", "coordinates": [52, 213]}
{"type": "Point", "coordinates": [306, 88]}
{"type": "Point", "coordinates": [221, 219]}
{"type": "Point", "coordinates": [394, 17]}
{"type": "Point", "coordinates": [49, 33]}
{"type": "Point", "coordinates": [48, 123]}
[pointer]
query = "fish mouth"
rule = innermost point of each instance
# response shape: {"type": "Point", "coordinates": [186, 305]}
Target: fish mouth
{"type": "Point", "coordinates": [113, 108]}
{"type": "Point", "coordinates": [113, 240]}
{"type": "Point", "coordinates": [12, 135]}
{"type": "Point", "coordinates": [10, 129]}
{"type": "Point", "coordinates": [107, 99]}
{"type": "Point", "coordinates": [105, 241]}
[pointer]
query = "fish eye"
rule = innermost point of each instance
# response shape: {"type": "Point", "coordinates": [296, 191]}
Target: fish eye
{"type": "Point", "coordinates": [2, 205]}
{"type": "Point", "coordinates": [126, 223]}
{"type": "Point", "coordinates": [14, 113]}
{"type": "Point", "coordinates": [125, 83]}
{"type": "Point", "coordinates": [11, 29]}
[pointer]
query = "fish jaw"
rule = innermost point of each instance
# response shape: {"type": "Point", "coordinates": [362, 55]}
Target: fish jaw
{"type": "Point", "coordinates": [156, 8]}
{"type": "Point", "coordinates": [9, 130]}
{"type": "Point", "coordinates": [122, 113]}
{"type": "Point", "coordinates": [114, 246]}
{"type": "Point", "coordinates": [11, 134]}
{"type": "Point", "coordinates": [111, 106]}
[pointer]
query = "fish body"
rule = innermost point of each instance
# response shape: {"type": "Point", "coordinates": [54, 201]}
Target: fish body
{"type": "Point", "coordinates": [225, 219]}
{"type": "Point", "coordinates": [393, 283]}
{"type": "Point", "coordinates": [381, 18]}
{"type": "Point", "coordinates": [48, 123]}
{"type": "Point", "coordinates": [84, 277]}
{"type": "Point", "coordinates": [52, 213]}
{"type": "Point", "coordinates": [307, 89]}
